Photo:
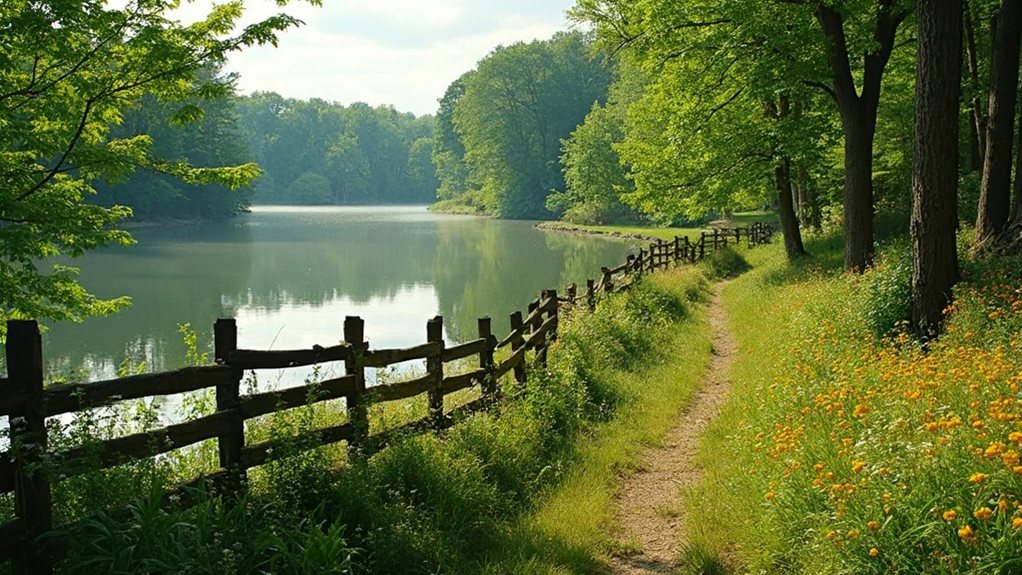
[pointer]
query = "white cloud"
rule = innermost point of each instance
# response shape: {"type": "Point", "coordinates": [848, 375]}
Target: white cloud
{"type": "Point", "coordinates": [399, 52]}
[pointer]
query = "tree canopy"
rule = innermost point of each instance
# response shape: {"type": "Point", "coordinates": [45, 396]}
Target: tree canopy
{"type": "Point", "coordinates": [68, 71]}
{"type": "Point", "coordinates": [366, 154]}
{"type": "Point", "coordinates": [509, 116]}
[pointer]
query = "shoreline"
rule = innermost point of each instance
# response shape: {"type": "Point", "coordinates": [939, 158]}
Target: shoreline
{"type": "Point", "coordinates": [564, 228]}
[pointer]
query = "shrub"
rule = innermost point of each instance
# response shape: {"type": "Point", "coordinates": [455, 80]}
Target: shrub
{"type": "Point", "coordinates": [889, 291]}
{"type": "Point", "coordinates": [726, 262]}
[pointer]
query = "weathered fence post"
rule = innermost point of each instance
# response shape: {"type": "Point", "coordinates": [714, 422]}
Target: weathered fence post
{"type": "Point", "coordinates": [738, 237]}
{"type": "Point", "coordinates": [590, 294]}
{"type": "Point", "coordinates": [677, 249]}
{"type": "Point", "coordinates": [608, 283]}
{"type": "Point", "coordinates": [489, 384]}
{"type": "Point", "coordinates": [573, 293]}
{"type": "Point", "coordinates": [690, 251]}
{"type": "Point", "coordinates": [230, 444]}
{"type": "Point", "coordinates": [435, 369]}
{"type": "Point", "coordinates": [516, 344]}
{"type": "Point", "coordinates": [33, 505]}
{"type": "Point", "coordinates": [547, 298]}
{"type": "Point", "coordinates": [358, 411]}
{"type": "Point", "coordinates": [702, 246]}
{"type": "Point", "coordinates": [629, 264]}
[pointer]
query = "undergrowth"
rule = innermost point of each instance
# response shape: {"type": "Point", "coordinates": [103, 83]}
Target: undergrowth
{"type": "Point", "coordinates": [847, 446]}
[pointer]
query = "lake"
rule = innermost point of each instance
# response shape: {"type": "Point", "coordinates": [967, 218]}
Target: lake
{"type": "Point", "coordinates": [291, 274]}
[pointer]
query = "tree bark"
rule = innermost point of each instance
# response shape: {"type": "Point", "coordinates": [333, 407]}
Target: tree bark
{"type": "Point", "coordinates": [995, 188]}
{"type": "Point", "coordinates": [793, 245]}
{"type": "Point", "coordinates": [935, 161]}
{"type": "Point", "coordinates": [858, 120]}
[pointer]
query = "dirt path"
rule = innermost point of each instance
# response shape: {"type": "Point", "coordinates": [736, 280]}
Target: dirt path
{"type": "Point", "coordinates": [649, 505]}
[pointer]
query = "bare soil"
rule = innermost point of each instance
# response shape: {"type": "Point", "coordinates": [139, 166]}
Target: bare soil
{"type": "Point", "coordinates": [650, 517]}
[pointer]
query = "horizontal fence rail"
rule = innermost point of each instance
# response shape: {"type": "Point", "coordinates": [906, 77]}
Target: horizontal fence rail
{"type": "Point", "coordinates": [27, 402]}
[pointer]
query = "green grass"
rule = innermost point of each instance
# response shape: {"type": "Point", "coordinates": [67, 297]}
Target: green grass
{"type": "Point", "coordinates": [737, 220]}
{"type": "Point", "coordinates": [572, 530]}
{"type": "Point", "coordinates": [628, 232]}
{"type": "Point", "coordinates": [850, 449]}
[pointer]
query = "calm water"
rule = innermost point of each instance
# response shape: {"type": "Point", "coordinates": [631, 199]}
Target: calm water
{"type": "Point", "coordinates": [290, 275]}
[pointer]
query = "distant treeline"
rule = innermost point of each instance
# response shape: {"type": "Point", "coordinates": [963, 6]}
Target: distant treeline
{"type": "Point", "coordinates": [318, 152]}
{"type": "Point", "coordinates": [308, 152]}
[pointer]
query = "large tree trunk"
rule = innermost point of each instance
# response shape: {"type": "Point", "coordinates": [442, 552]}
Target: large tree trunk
{"type": "Point", "coordinates": [995, 189]}
{"type": "Point", "coordinates": [858, 120]}
{"type": "Point", "coordinates": [859, 130]}
{"type": "Point", "coordinates": [793, 245]}
{"type": "Point", "coordinates": [935, 162]}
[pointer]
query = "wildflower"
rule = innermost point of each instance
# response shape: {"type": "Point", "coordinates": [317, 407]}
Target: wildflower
{"type": "Point", "coordinates": [873, 525]}
{"type": "Point", "coordinates": [873, 552]}
{"type": "Point", "coordinates": [1016, 523]}
{"type": "Point", "coordinates": [978, 477]}
{"type": "Point", "coordinates": [983, 513]}
{"type": "Point", "coordinates": [853, 533]}
{"type": "Point", "coordinates": [966, 532]}
{"type": "Point", "coordinates": [857, 466]}
{"type": "Point", "coordinates": [950, 515]}
{"type": "Point", "coordinates": [770, 496]}
{"type": "Point", "coordinates": [994, 449]}
{"type": "Point", "coordinates": [860, 410]}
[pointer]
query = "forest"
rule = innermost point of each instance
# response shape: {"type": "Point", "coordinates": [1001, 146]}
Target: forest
{"type": "Point", "coordinates": [870, 421]}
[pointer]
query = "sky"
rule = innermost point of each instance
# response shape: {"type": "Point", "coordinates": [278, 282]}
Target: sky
{"type": "Point", "coordinates": [403, 53]}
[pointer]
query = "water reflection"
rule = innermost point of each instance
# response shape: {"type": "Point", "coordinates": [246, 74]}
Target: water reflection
{"type": "Point", "coordinates": [290, 275]}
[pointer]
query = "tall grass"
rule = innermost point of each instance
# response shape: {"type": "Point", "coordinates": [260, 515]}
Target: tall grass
{"type": "Point", "coordinates": [848, 447]}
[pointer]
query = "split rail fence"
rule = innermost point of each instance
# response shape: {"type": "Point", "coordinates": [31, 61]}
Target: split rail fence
{"type": "Point", "coordinates": [28, 468]}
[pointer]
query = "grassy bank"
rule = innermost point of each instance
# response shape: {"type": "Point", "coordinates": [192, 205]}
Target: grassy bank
{"type": "Point", "coordinates": [849, 448]}
{"type": "Point", "coordinates": [483, 496]}
{"type": "Point", "coordinates": [572, 530]}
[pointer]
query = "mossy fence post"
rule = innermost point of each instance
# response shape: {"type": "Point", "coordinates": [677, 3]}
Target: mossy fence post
{"type": "Point", "coordinates": [591, 294]}
{"type": "Point", "coordinates": [230, 444]}
{"type": "Point", "coordinates": [516, 344]}
{"type": "Point", "coordinates": [435, 370]}
{"type": "Point", "coordinates": [358, 411]}
{"type": "Point", "coordinates": [33, 504]}
{"type": "Point", "coordinates": [486, 363]}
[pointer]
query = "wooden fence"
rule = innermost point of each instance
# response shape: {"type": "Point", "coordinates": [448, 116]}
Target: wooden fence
{"type": "Point", "coordinates": [29, 468]}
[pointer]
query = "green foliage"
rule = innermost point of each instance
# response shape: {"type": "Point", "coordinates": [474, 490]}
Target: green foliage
{"type": "Point", "coordinates": [593, 172]}
{"type": "Point", "coordinates": [309, 189]}
{"type": "Point", "coordinates": [68, 72]}
{"type": "Point", "coordinates": [501, 125]}
{"type": "Point", "coordinates": [365, 154]}
{"type": "Point", "coordinates": [726, 262]}
{"type": "Point", "coordinates": [189, 140]}
{"type": "Point", "coordinates": [212, 537]}
{"type": "Point", "coordinates": [889, 288]}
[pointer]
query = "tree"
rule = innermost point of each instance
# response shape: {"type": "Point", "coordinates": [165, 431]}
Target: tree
{"type": "Point", "coordinates": [858, 110]}
{"type": "Point", "coordinates": [995, 188]}
{"type": "Point", "coordinates": [517, 106]}
{"type": "Point", "coordinates": [759, 55]}
{"type": "Point", "coordinates": [935, 165]}
{"type": "Point", "coordinates": [67, 70]}
{"type": "Point", "coordinates": [593, 173]}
